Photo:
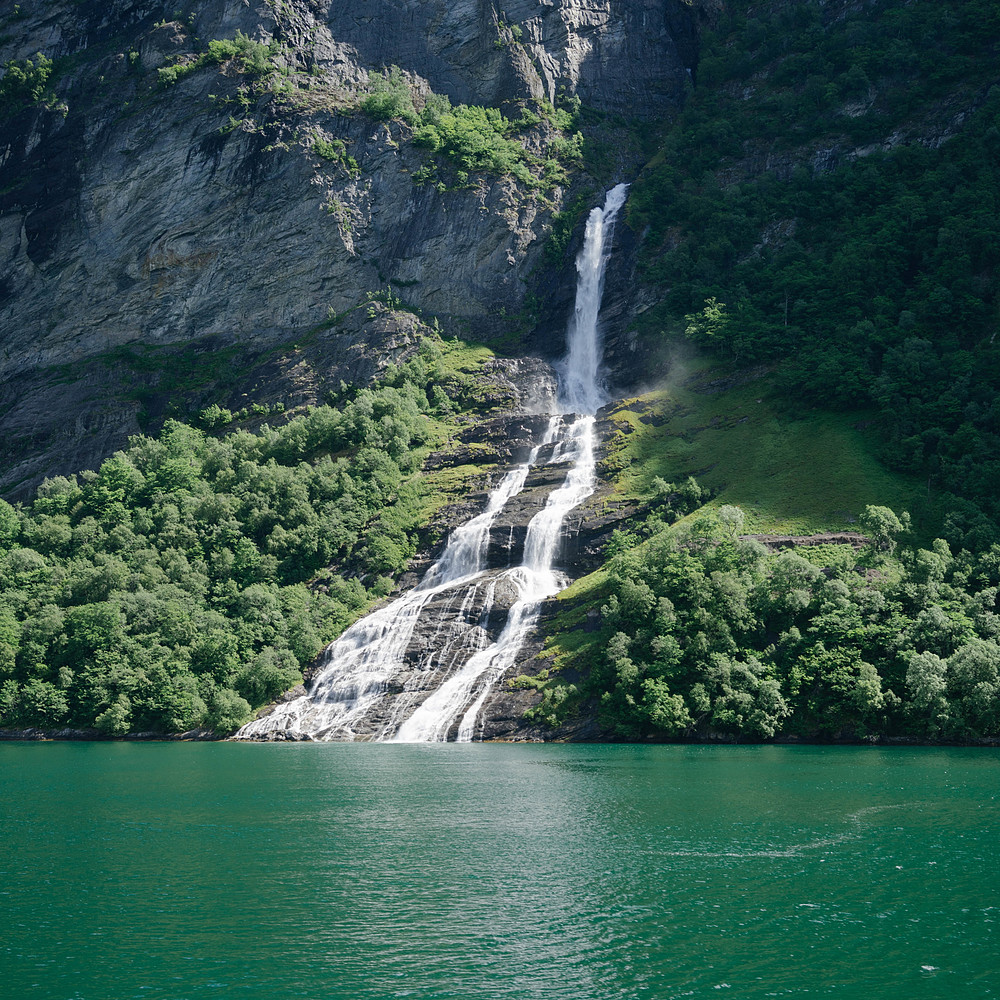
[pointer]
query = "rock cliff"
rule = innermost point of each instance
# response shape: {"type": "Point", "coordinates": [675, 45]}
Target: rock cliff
{"type": "Point", "coordinates": [143, 221]}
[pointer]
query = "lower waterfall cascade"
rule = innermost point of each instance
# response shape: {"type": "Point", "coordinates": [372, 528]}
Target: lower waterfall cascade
{"type": "Point", "coordinates": [360, 682]}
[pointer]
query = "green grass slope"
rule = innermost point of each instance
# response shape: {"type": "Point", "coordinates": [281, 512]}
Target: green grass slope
{"type": "Point", "coordinates": [789, 474]}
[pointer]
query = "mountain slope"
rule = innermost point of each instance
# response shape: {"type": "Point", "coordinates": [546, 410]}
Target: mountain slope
{"type": "Point", "coordinates": [210, 179]}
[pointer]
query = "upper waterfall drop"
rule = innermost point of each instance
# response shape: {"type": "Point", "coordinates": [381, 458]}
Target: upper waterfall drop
{"type": "Point", "coordinates": [580, 389]}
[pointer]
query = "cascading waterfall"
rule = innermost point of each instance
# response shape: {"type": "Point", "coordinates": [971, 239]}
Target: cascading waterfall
{"type": "Point", "coordinates": [359, 664]}
{"type": "Point", "coordinates": [536, 579]}
{"type": "Point", "coordinates": [363, 662]}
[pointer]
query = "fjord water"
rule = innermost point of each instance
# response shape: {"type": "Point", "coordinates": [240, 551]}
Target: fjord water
{"type": "Point", "coordinates": [370, 871]}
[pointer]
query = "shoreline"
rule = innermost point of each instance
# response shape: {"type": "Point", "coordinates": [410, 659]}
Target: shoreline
{"type": "Point", "coordinates": [67, 735]}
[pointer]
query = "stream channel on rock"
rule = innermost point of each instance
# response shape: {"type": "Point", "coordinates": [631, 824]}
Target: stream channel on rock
{"type": "Point", "coordinates": [422, 668]}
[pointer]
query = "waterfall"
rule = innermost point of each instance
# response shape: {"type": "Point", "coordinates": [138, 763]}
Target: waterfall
{"type": "Point", "coordinates": [581, 390]}
{"type": "Point", "coordinates": [581, 394]}
{"type": "Point", "coordinates": [360, 668]}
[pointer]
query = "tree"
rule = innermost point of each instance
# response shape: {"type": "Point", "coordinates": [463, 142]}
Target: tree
{"type": "Point", "coordinates": [666, 711]}
{"type": "Point", "coordinates": [10, 524]}
{"type": "Point", "coordinates": [390, 97]}
{"type": "Point", "coordinates": [709, 325]}
{"type": "Point", "coordinates": [974, 682]}
{"type": "Point", "coordinates": [926, 685]}
{"type": "Point", "coordinates": [732, 517]}
{"type": "Point", "coordinates": [227, 711]}
{"type": "Point", "coordinates": [116, 719]}
{"type": "Point", "coordinates": [883, 526]}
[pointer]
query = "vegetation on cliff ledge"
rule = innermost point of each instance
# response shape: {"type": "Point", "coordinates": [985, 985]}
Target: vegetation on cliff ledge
{"type": "Point", "coordinates": [188, 581]}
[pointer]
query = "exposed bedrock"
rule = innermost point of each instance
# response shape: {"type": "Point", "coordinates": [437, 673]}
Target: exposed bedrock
{"type": "Point", "coordinates": [149, 217]}
{"type": "Point", "coordinates": [626, 56]}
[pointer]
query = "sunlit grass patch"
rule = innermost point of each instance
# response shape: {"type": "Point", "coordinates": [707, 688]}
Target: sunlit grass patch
{"type": "Point", "coordinates": [789, 474]}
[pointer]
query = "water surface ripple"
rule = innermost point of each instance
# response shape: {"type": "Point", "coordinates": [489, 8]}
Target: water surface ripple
{"type": "Point", "coordinates": [441, 871]}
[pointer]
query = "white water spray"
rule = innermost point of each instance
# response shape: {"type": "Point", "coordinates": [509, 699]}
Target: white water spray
{"type": "Point", "coordinates": [363, 662]}
{"type": "Point", "coordinates": [536, 578]}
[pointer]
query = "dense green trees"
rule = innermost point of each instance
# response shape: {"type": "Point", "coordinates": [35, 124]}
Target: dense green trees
{"type": "Point", "coordinates": [26, 83]}
{"type": "Point", "coordinates": [815, 206]}
{"type": "Point", "coordinates": [176, 586]}
{"type": "Point", "coordinates": [705, 632]}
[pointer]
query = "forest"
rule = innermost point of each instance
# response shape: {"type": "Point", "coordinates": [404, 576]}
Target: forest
{"type": "Point", "coordinates": [187, 581]}
{"type": "Point", "coordinates": [865, 270]}
{"type": "Point", "coordinates": [706, 634]}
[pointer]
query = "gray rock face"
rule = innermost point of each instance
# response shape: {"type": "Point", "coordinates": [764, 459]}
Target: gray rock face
{"type": "Point", "coordinates": [625, 56]}
{"type": "Point", "coordinates": [136, 214]}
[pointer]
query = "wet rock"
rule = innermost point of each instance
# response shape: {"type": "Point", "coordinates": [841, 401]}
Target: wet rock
{"type": "Point", "coordinates": [508, 439]}
{"type": "Point", "coordinates": [279, 736]}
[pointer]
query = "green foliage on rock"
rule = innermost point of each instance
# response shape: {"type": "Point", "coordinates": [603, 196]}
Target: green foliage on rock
{"type": "Point", "coordinates": [828, 200]}
{"type": "Point", "coordinates": [335, 152]}
{"type": "Point", "coordinates": [389, 97]}
{"type": "Point", "coordinates": [473, 139]}
{"type": "Point", "coordinates": [26, 83]}
{"type": "Point", "coordinates": [468, 139]}
{"type": "Point", "coordinates": [563, 223]}
{"type": "Point", "coordinates": [254, 59]}
{"type": "Point", "coordinates": [186, 581]}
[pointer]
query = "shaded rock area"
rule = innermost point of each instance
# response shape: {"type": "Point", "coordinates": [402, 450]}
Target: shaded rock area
{"type": "Point", "coordinates": [61, 419]}
{"type": "Point", "coordinates": [630, 57]}
{"type": "Point", "coordinates": [711, 385]}
{"type": "Point", "coordinates": [143, 224]}
{"type": "Point", "coordinates": [35, 735]}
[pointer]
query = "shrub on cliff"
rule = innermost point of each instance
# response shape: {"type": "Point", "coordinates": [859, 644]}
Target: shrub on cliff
{"type": "Point", "coordinates": [390, 97]}
{"type": "Point", "coordinates": [26, 83]}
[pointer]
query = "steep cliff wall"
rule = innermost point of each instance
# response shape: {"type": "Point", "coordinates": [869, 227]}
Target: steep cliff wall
{"type": "Point", "coordinates": [138, 213]}
{"type": "Point", "coordinates": [631, 58]}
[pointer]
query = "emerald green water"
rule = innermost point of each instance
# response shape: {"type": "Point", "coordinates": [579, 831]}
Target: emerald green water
{"type": "Point", "coordinates": [132, 870]}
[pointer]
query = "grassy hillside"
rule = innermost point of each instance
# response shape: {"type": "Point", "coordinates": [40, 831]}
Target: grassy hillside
{"type": "Point", "coordinates": [827, 203]}
{"type": "Point", "coordinates": [789, 473]}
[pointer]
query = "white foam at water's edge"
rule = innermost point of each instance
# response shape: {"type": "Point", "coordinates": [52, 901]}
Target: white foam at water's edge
{"type": "Point", "coordinates": [360, 665]}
